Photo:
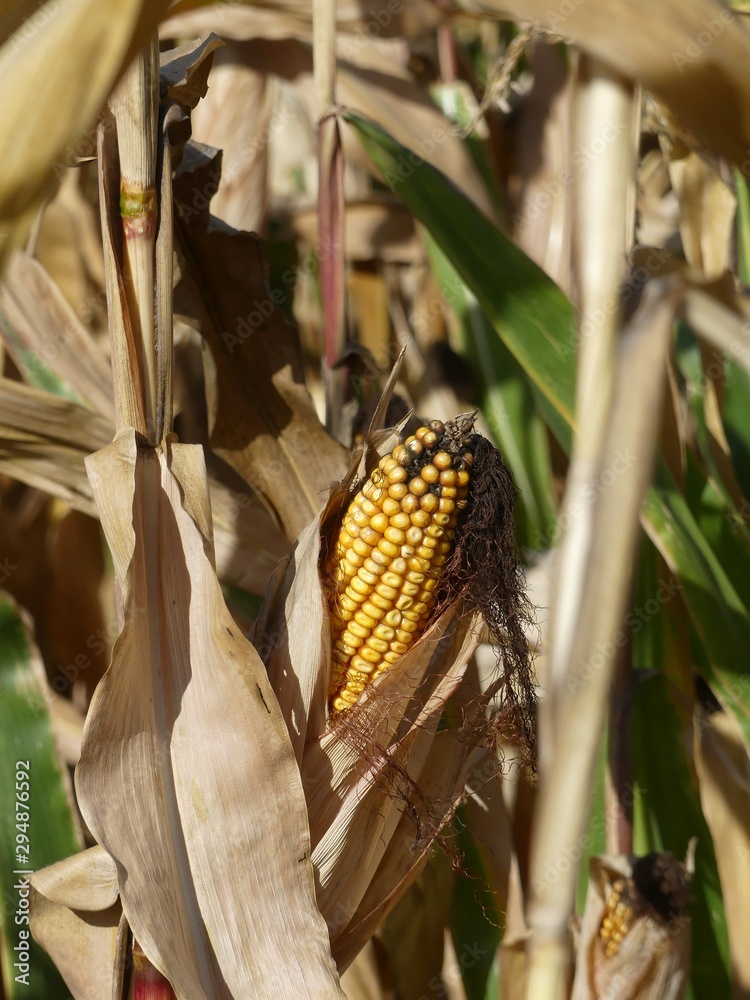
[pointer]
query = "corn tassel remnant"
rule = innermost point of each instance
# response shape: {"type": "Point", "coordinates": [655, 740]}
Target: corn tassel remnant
{"type": "Point", "coordinates": [396, 537]}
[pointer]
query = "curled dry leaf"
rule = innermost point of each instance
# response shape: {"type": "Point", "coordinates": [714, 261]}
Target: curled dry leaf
{"type": "Point", "coordinates": [186, 773]}
{"type": "Point", "coordinates": [64, 63]}
{"type": "Point", "coordinates": [184, 70]}
{"type": "Point", "coordinates": [75, 916]}
{"type": "Point", "coordinates": [264, 422]}
{"type": "Point", "coordinates": [634, 941]}
{"type": "Point", "coordinates": [707, 213]}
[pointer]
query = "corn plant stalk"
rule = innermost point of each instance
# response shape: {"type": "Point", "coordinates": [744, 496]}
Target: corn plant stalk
{"type": "Point", "coordinates": [567, 777]}
{"type": "Point", "coordinates": [126, 368]}
{"type": "Point", "coordinates": [163, 339]}
{"type": "Point", "coordinates": [599, 227]}
{"type": "Point", "coordinates": [134, 105]}
{"type": "Point", "coordinates": [600, 198]}
{"type": "Point", "coordinates": [330, 209]}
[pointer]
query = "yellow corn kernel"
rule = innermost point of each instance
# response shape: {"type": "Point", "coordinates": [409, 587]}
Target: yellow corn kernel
{"type": "Point", "coordinates": [394, 540]}
{"type": "Point", "coordinates": [364, 620]}
{"type": "Point", "coordinates": [372, 656]}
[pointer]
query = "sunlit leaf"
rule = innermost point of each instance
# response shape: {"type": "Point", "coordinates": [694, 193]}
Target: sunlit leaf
{"type": "Point", "coordinates": [531, 314]}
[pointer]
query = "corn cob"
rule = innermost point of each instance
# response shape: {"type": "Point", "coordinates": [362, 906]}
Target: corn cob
{"type": "Point", "coordinates": [396, 536]}
{"type": "Point", "coordinates": [617, 919]}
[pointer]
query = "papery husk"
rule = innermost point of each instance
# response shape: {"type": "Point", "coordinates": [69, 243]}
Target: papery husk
{"type": "Point", "coordinates": [440, 789]}
{"type": "Point", "coordinates": [185, 729]}
{"type": "Point", "coordinates": [653, 959]}
{"type": "Point", "coordinates": [77, 918]}
{"type": "Point", "coordinates": [379, 781]}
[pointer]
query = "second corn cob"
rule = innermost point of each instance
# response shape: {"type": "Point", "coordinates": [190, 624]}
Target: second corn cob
{"type": "Point", "coordinates": [395, 539]}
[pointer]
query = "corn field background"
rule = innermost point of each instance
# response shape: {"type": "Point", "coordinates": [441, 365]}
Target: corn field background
{"type": "Point", "coordinates": [248, 248]}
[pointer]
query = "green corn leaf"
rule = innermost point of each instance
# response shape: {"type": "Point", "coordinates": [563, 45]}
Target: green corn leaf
{"type": "Point", "coordinates": [508, 405]}
{"type": "Point", "coordinates": [530, 313]}
{"type": "Point", "coordinates": [667, 815]}
{"type": "Point", "coordinates": [36, 823]}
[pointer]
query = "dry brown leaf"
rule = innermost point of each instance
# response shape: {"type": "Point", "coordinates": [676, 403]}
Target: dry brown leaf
{"type": "Point", "coordinates": [49, 329]}
{"type": "Point", "coordinates": [371, 84]}
{"type": "Point", "coordinates": [375, 230]}
{"type": "Point", "coordinates": [658, 214]}
{"type": "Point", "coordinates": [248, 544]}
{"type": "Point", "coordinates": [723, 767]}
{"type": "Point", "coordinates": [63, 65]}
{"type": "Point", "coordinates": [293, 18]}
{"type": "Point", "coordinates": [694, 57]}
{"type": "Point", "coordinates": [707, 212]}
{"type": "Point", "coordinates": [183, 71]}
{"type": "Point", "coordinates": [72, 619]}
{"type": "Point", "coordinates": [264, 422]}
{"type": "Point", "coordinates": [412, 933]}
{"type": "Point", "coordinates": [374, 80]}
{"type": "Point", "coordinates": [292, 637]}
{"type": "Point", "coordinates": [238, 116]}
{"type": "Point", "coordinates": [75, 916]}
{"type": "Point", "coordinates": [69, 248]}
{"type": "Point", "coordinates": [707, 218]}
{"type": "Point", "coordinates": [187, 729]}
{"type": "Point", "coordinates": [44, 441]}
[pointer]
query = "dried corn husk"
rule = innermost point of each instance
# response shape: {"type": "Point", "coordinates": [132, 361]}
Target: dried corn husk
{"type": "Point", "coordinates": [186, 771]}
{"type": "Point", "coordinates": [635, 936]}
